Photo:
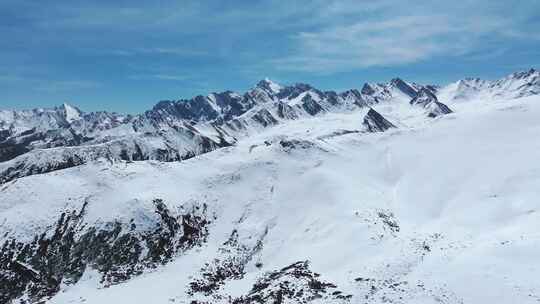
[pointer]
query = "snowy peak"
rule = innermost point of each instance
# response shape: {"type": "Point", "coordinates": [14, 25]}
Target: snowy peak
{"type": "Point", "coordinates": [525, 74]}
{"type": "Point", "coordinates": [435, 109]}
{"type": "Point", "coordinates": [428, 100]}
{"type": "Point", "coordinates": [367, 89]}
{"type": "Point", "coordinates": [396, 89]}
{"type": "Point", "coordinates": [215, 106]}
{"type": "Point", "coordinates": [179, 129]}
{"type": "Point", "coordinates": [71, 113]}
{"type": "Point", "coordinates": [375, 93]}
{"type": "Point", "coordinates": [290, 92]}
{"type": "Point", "coordinates": [515, 85]}
{"type": "Point", "coordinates": [375, 122]}
{"type": "Point", "coordinates": [403, 87]}
{"type": "Point", "coordinates": [269, 85]}
{"type": "Point", "coordinates": [472, 83]}
{"type": "Point", "coordinates": [423, 98]}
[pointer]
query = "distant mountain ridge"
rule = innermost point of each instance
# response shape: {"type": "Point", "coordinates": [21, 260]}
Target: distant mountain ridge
{"type": "Point", "coordinates": [44, 140]}
{"type": "Point", "coordinates": [515, 85]}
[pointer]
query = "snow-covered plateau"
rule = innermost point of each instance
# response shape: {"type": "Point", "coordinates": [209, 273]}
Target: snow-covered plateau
{"type": "Point", "coordinates": [395, 193]}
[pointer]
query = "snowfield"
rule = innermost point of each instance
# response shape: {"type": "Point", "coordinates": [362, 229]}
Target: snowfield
{"type": "Point", "coordinates": [443, 210]}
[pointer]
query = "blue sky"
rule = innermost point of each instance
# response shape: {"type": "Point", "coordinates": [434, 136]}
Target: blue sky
{"type": "Point", "coordinates": [126, 55]}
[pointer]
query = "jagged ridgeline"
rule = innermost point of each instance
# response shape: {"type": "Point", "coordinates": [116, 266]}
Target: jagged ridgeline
{"type": "Point", "coordinates": [117, 250]}
{"type": "Point", "coordinates": [44, 140]}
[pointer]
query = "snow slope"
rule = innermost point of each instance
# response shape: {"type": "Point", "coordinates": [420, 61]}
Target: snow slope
{"type": "Point", "coordinates": [440, 210]}
{"type": "Point", "coordinates": [515, 85]}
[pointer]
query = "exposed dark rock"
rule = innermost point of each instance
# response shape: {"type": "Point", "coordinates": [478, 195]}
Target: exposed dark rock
{"type": "Point", "coordinates": [293, 91]}
{"type": "Point", "coordinates": [389, 221]}
{"type": "Point", "coordinates": [4, 133]}
{"type": "Point", "coordinates": [292, 144]}
{"type": "Point", "coordinates": [230, 264]}
{"type": "Point", "coordinates": [267, 85]}
{"type": "Point", "coordinates": [428, 100]}
{"type": "Point", "coordinates": [311, 106]}
{"type": "Point", "coordinates": [338, 133]}
{"type": "Point", "coordinates": [375, 122]}
{"type": "Point", "coordinates": [367, 89]}
{"type": "Point", "coordinates": [225, 105]}
{"type": "Point", "coordinates": [265, 118]}
{"type": "Point", "coordinates": [423, 98]}
{"type": "Point", "coordinates": [332, 97]}
{"type": "Point", "coordinates": [286, 111]}
{"type": "Point", "coordinates": [354, 95]}
{"type": "Point", "coordinates": [117, 250]}
{"type": "Point", "coordinates": [438, 108]}
{"type": "Point", "coordinates": [404, 87]}
{"type": "Point", "coordinates": [295, 283]}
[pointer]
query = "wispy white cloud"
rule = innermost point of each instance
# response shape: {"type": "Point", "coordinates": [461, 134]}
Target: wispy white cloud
{"type": "Point", "coordinates": [388, 42]}
{"type": "Point", "coordinates": [260, 37]}
{"type": "Point", "coordinates": [398, 35]}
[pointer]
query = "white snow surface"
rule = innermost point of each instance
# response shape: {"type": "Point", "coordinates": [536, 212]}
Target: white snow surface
{"type": "Point", "coordinates": [71, 112]}
{"type": "Point", "coordinates": [466, 185]}
{"type": "Point", "coordinates": [515, 85]}
{"type": "Point", "coordinates": [275, 87]}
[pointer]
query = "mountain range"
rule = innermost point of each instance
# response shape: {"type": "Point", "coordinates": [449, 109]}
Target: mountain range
{"type": "Point", "coordinates": [397, 192]}
{"type": "Point", "coordinates": [44, 140]}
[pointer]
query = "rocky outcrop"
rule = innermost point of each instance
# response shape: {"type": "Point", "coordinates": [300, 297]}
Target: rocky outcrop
{"type": "Point", "coordinates": [436, 108]}
{"type": "Point", "coordinates": [230, 263]}
{"type": "Point", "coordinates": [375, 122]}
{"type": "Point", "coordinates": [404, 87]}
{"type": "Point", "coordinates": [285, 111]}
{"type": "Point", "coordinates": [428, 100]}
{"type": "Point", "coordinates": [295, 283]}
{"type": "Point", "coordinates": [117, 250]}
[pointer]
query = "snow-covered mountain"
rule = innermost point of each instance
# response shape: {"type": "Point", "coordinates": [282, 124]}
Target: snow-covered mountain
{"type": "Point", "coordinates": [394, 193]}
{"type": "Point", "coordinates": [515, 85]}
{"type": "Point", "coordinates": [44, 140]}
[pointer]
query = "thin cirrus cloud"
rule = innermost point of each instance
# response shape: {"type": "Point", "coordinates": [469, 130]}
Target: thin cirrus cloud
{"type": "Point", "coordinates": [319, 35]}
{"type": "Point", "coordinates": [397, 40]}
